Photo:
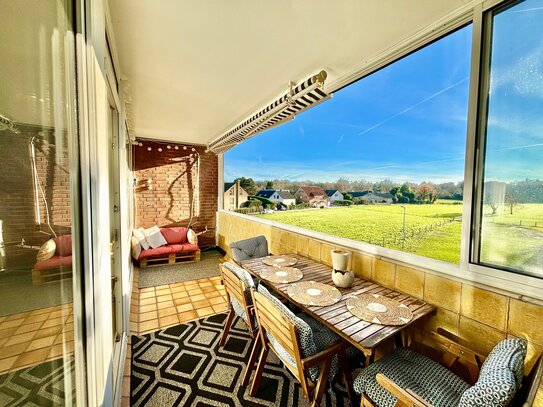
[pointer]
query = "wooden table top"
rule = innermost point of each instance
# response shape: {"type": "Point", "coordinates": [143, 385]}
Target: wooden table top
{"type": "Point", "coordinates": [362, 334]}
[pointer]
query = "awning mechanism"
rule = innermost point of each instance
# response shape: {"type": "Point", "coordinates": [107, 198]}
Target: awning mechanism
{"type": "Point", "coordinates": [299, 98]}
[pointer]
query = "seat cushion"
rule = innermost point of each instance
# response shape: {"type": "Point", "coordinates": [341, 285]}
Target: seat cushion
{"type": "Point", "coordinates": [314, 337]}
{"type": "Point", "coordinates": [174, 235]}
{"type": "Point", "coordinates": [183, 247]}
{"type": "Point", "coordinates": [189, 247]}
{"type": "Point", "coordinates": [500, 376]}
{"type": "Point", "coordinates": [64, 245]}
{"type": "Point", "coordinates": [408, 369]}
{"type": "Point", "coordinates": [54, 262]}
{"type": "Point", "coordinates": [159, 251]}
{"type": "Point", "coordinates": [248, 249]}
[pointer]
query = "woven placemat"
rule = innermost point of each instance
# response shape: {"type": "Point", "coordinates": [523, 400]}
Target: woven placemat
{"type": "Point", "coordinates": [379, 310]}
{"type": "Point", "coordinates": [312, 293]}
{"type": "Point", "coordinates": [281, 274]}
{"type": "Point", "coordinates": [281, 260]}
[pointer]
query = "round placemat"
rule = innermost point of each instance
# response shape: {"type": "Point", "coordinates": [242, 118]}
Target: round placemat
{"type": "Point", "coordinates": [281, 274]}
{"type": "Point", "coordinates": [379, 310]}
{"type": "Point", "coordinates": [312, 293]}
{"type": "Point", "coordinates": [282, 260]}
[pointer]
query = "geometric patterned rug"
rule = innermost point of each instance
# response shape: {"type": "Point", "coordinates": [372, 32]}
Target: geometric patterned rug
{"type": "Point", "coordinates": [184, 366]}
{"type": "Point", "coordinates": [39, 385]}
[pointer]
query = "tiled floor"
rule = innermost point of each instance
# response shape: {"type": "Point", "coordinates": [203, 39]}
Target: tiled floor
{"type": "Point", "coordinates": [34, 337]}
{"type": "Point", "coordinates": [159, 307]}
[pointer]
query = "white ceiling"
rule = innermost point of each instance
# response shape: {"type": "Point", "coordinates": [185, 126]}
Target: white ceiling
{"type": "Point", "coordinates": [196, 68]}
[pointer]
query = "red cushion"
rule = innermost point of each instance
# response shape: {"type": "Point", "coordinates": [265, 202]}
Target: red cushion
{"type": "Point", "coordinates": [174, 235]}
{"type": "Point", "coordinates": [64, 245]}
{"type": "Point", "coordinates": [54, 262]}
{"type": "Point", "coordinates": [159, 251]}
{"type": "Point", "coordinates": [176, 248]}
{"type": "Point", "coordinates": [189, 247]}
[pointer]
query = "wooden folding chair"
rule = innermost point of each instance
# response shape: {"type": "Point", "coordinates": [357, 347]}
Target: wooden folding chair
{"type": "Point", "coordinates": [272, 322]}
{"type": "Point", "coordinates": [237, 290]}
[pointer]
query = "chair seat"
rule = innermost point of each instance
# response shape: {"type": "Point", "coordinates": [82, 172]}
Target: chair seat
{"type": "Point", "coordinates": [408, 369]}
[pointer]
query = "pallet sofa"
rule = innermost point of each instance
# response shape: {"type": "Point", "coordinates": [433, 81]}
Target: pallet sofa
{"type": "Point", "coordinates": [58, 266]}
{"type": "Point", "coordinates": [177, 249]}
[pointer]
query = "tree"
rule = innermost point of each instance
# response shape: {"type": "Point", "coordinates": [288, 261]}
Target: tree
{"type": "Point", "coordinates": [342, 184]}
{"type": "Point", "coordinates": [494, 194]}
{"type": "Point", "coordinates": [248, 184]}
{"type": "Point", "coordinates": [266, 203]}
{"type": "Point", "coordinates": [347, 196]}
{"type": "Point", "coordinates": [511, 198]}
{"type": "Point", "coordinates": [269, 184]}
{"type": "Point", "coordinates": [426, 192]}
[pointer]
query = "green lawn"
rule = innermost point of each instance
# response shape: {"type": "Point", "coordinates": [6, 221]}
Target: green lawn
{"type": "Point", "coordinates": [432, 230]}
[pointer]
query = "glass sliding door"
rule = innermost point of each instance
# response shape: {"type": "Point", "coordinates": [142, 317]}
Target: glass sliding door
{"type": "Point", "coordinates": [38, 152]}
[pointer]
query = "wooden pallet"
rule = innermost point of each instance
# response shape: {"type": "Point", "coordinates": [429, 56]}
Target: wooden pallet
{"type": "Point", "coordinates": [40, 277]}
{"type": "Point", "coordinates": [172, 258]}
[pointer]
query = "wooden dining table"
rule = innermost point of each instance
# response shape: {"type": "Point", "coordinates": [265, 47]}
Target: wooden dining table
{"type": "Point", "coordinates": [366, 336]}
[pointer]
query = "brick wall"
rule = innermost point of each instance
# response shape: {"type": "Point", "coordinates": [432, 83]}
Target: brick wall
{"type": "Point", "coordinates": [17, 193]}
{"type": "Point", "coordinates": [175, 187]}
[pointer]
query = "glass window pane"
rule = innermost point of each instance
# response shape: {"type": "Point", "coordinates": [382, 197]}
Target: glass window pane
{"type": "Point", "coordinates": [37, 137]}
{"type": "Point", "coordinates": [511, 232]}
{"type": "Point", "coordinates": [392, 143]}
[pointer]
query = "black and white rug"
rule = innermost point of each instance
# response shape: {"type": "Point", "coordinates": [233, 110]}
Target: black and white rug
{"type": "Point", "coordinates": [207, 267]}
{"type": "Point", "coordinates": [184, 366]}
{"type": "Point", "coordinates": [47, 384]}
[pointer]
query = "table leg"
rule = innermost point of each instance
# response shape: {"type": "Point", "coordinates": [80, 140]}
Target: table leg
{"type": "Point", "coordinates": [398, 340]}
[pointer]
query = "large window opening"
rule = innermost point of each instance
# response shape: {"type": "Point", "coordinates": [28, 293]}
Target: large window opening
{"type": "Point", "coordinates": [510, 209]}
{"type": "Point", "coordinates": [382, 162]}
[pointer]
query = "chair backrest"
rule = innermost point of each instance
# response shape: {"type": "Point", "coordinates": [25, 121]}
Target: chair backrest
{"type": "Point", "coordinates": [275, 326]}
{"type": "Point", "coordinates": [248, 249]}
{"type": "Point", "coordinates": [234, 286]}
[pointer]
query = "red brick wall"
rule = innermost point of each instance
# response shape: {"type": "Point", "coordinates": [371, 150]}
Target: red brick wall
{"type": "Point", "coordinates": [17, 194]}
{"type": "Point", "coordinates": [174, 185]}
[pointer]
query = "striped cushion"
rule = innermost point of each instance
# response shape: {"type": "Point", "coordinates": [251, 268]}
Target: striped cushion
{"type": "Point", "coordinates": [244, 276]}
{"type": "Point", "coordinates": [408, 369]}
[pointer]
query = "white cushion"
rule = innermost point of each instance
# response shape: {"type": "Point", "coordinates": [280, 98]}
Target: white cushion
{"type": "Point", "coordinates": [192, 237]}
{"type": "Point", "coordinates": [47, 250]}
{"type": "Point", "coordinates": [136, 247]}
{"type": "Point", "coordinates": [140, 235]}
{"type": "Point", "coordinates": [154, 237]}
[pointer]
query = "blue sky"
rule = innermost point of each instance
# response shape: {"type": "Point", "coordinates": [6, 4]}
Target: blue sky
{"type": "Point", "coordinates": [406, 122]}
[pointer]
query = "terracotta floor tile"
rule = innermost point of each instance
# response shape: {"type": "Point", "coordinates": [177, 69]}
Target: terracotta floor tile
{"type": "Point", "coordinates": [166, 311]}
{"type": "Point", "coordinates": [45, 332]}
{"type": "Point", "coordinates": [169, 320]}
{"type": "Point", "coordinates": [28, 328]}
{"type": "Point", "coordinates": [6, 333]}
{"type": "Point", "coordinates": [181, 301]}
{"type": "Point", "coordinates": [216, 301]}
{"type": "Point", "coordinates": [202, 312]}
{"type": "Point", "coordinates": [187, 316]}
{"type": "Point", "coordinates": [177, 290]}
{"type": "Point", "coordinates": [163, 298]}
{"type": "Point", "coordinates": [12, 323]}
{"type": "Point", "coordinates": [193, 293]}
{"type": "Point", "coordinates": [3, 341]}
{"type": "Point", "coordinates": [161, 287]}
{"type": "Point", "coordinates": [189, 287]}
{"type": "Point", "coordinates": [165, 304]}
{"type": "Point", "coordinates": [180, 294]}
{"type": "Point", "coordinates": [213, 294]}
{"type": "Point", "coordinates": [184, 307]}
{"type": "Point", "coordinates": [146, 316]}
{"type": "Point", "coordinates": [13, 350]}
{"type": "Point", "coordinates": [53, 322]}
{"type": "Point", "coordinates": [220, 308]}
{"type": "Point", "coordinates": [7, 363]}
{"type": "Point", "coordinates": [33, 319]}
{"type": "Point", "coordinates": [134, 327]}
{"type": "Point", "coordinates": [40, 311]}
{"type": "Point", "coordinates": [208, 289]}
{"type": "Point", "coordinates": [15, 339]}
{"type": "Point", "coordinates": [177, 285]}
{"type": "Point", "coordinates": [17, 316]}
{"type": "Point", "coordinates": [199, 297]}
{"type": "Point", "coordinates": [206, 284]}
{"type": "Point", "coordinates": [146, 290]}
{"type": "Point", "coordinates": [31, 358]}
{"type": "Point", "coordinates": [148, 301]}
{"type": "Point", "coordinates": [148, 326]}
{"type": "Point", "coordinates": [147, 294]}
{"type": "Point", "coordinates": [46, 342]}
{"type": "Point", "coordinates": [56, 351]}
{"type": "Point", "coordinates": [201, 304]}
{"type": "Point", "coordinates": [57, 314]}
{"type": "Point", "coordinates": [147, 308]}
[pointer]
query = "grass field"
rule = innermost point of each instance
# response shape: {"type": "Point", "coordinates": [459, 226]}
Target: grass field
{"type": "Point", "coordinates": [432, 230]}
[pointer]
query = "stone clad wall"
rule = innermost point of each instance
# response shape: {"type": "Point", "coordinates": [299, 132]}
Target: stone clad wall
{"type": "Point", "coordinates": [480, 316]}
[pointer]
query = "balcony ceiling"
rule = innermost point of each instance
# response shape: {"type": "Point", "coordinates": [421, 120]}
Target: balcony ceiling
{"type": "Point", "coordinates": [196, 68]}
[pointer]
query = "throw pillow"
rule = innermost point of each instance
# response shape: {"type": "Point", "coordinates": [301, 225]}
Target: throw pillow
{"type": "Point", "coordinates": [192, 237]}
{"type": "Point", "coordinates": [138, 233]}
{"type": "Point", "coordinates": [154, 237]}
{"type": "Point", "coordinates": [47, 250]}
{"type": "Point", "coordinates": [136, 247]}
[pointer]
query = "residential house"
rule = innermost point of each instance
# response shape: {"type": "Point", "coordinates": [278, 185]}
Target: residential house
{"type": "Point", "coordinates": [234, 196]}
{"type": "Point", "coordinates": [372, 197]}
{"type": "Point", "coordinates": [283, 197]}
{"type": "Point", "coordinates": [334, 195]}
{"type": "Point", "coordinates": [313, 195]}
{"type": "Point", "coordinates": [286, 198]}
